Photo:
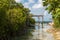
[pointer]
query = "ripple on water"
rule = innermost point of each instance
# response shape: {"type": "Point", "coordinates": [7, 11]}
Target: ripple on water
{"type": "Point", "coordinates": [43, 35]}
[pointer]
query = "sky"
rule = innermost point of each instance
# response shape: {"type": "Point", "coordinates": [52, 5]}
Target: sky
{"type": "Point", "coordinates": [36, 7]}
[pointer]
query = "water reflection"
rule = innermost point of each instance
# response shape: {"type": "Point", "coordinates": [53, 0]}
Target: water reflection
{"type": "Point", "coordinates": [42, 34]}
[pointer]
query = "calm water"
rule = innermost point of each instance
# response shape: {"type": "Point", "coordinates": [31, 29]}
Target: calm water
{"type": "Point", "coordinates": [41, 33]}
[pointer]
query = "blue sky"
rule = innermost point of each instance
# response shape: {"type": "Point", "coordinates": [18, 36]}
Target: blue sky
{"type": "Point", "coordinates": [36, 7]}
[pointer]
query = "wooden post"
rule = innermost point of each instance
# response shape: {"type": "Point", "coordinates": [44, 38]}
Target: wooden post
{"type": "Point", "coordinates": [38, 22]}
{"type": "Point", "coordinates": [42, 27]}
{"type": "Point", "coordinates": [42, 21]}
{"type": "Point", "coordinates": [38, 27]}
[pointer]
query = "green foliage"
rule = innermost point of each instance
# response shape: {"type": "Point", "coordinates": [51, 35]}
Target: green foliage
{"type": "Point", "coordinates": [12, 19]}
{"type": "Point", "coordinates": [54, 7]}
{"type": "Point", "coordinates": [15, 17]}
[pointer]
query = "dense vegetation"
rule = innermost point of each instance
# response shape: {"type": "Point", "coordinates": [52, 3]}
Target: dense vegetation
{"type": "Point", "coordinates": [13, 19]}
{"type": "Point", "coordinates": [54, 8]}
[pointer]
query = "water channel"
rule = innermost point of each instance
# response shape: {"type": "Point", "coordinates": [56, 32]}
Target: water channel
{"type": "Point", "coordinates": [41, 33]}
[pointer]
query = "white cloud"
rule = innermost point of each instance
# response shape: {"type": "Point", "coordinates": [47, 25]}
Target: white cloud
{"type": "Point", "coordinates": [37, 6]}
{"type": "Point", "coordinates": [18, 1]}
{"type": "Point", "coordinates": [26, 5]}
{"type": "Point", "coordinates": [39, 1]}
{"type": "Point", "coordinates": [31, 1]}
{"type": "Point", "coordinates": [45, 13]}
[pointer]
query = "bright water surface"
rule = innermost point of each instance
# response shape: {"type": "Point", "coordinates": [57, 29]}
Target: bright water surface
{"type": "Point", "coordinates": [41, 34]}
